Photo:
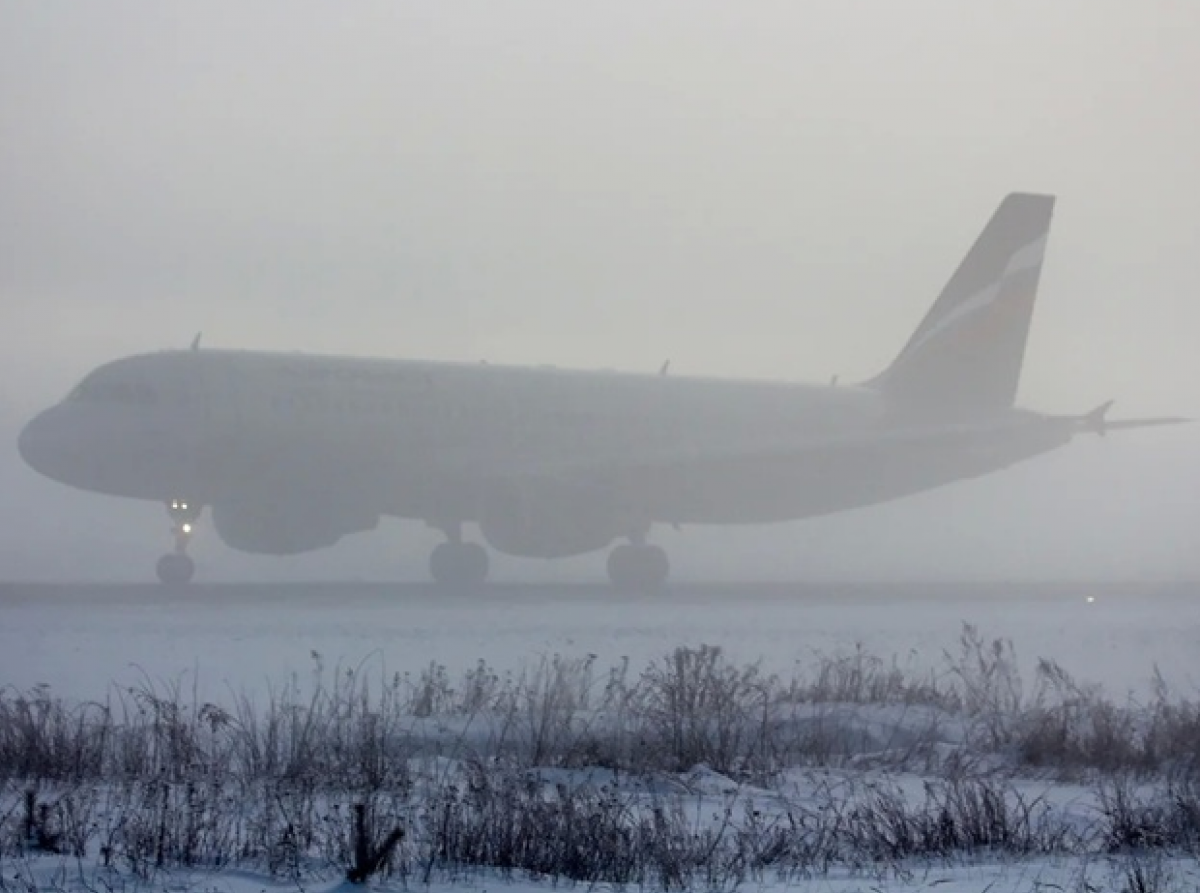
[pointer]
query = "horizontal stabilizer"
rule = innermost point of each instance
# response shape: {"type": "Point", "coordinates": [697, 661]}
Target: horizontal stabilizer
{"type": "Point", "coordinates": [1098, 422]}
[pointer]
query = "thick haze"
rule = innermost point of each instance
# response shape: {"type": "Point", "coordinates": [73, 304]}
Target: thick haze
{"type": "Point", "coordinates": [776, 190]}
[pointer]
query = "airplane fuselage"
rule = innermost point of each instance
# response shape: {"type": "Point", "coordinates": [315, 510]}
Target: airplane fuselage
{"type": "Point", "coordinates": [430, 440]}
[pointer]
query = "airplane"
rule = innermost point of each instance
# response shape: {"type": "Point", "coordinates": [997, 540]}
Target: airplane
{"type": "Point", "coordinates": [292, 452]}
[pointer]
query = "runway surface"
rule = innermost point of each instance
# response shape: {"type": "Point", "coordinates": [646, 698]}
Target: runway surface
{"type": "Point", "coordinates": [80, 639]}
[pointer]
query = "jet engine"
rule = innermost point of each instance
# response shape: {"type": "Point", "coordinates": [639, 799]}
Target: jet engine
{"type": "Point", "coordinates": [287, 527]}
{"type": "Point", "coordinates": [546, 522]}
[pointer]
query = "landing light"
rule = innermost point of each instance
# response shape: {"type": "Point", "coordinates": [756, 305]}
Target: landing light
{"type": "Point", "coordinates": [1091, 599]}
{"type": "Point", "coordinates": [186, 528]}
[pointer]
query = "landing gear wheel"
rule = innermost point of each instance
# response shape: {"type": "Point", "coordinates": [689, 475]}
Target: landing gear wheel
{"type": "Point", "coordinates": [175, 569]}
{"type": "Point", "coordinates": [638, 567]}
{"type": "Point", "coordinates": [459, 564]}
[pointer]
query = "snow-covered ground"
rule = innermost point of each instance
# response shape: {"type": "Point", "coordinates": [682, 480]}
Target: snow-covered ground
{"type": "Point", "coordinates": [706, 801]}
{"type": "Point", "coordinates": [1023, 876]}
{"type": "Point", "coordinates": [79, 639]}
{"type": "Point", "coordinates": [217, 642]}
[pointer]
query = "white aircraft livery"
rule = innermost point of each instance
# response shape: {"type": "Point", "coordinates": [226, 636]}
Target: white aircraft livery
{"type": "Point", "coordinates": [293, 452]}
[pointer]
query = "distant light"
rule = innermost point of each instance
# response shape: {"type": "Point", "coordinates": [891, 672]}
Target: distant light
{"type": "Point", "coordinates": [1090, 599]}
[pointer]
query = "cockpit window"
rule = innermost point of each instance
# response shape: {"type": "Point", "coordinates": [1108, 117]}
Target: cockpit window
{"type": "Point", "coordinates": [104, 389]}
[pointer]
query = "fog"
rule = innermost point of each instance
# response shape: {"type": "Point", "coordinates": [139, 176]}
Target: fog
{"type": "Point", "coordinates": [768, 192]}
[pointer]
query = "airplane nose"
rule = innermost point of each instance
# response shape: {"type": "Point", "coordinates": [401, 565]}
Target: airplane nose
{"type": "Point", "coordinates": [40, 444]}
{"type": "Point", "coordinates": [28, 442]}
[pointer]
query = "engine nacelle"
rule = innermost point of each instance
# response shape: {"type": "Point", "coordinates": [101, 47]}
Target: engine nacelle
{"type": "Point", "coordinates": [546, 522]}
{"type": "Point", "coordinates": [287, 528]}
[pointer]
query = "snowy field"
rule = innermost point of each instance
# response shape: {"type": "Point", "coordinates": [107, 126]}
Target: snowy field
{"type": "Point", "coordinates": [1033, 876]}
{"type": "Point", "coordinates": [78, 639]}
{"type": "Point", "coordinates": [846, 786]}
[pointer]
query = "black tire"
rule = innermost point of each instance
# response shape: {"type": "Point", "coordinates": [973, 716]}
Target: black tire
{"type": "Point", "coordinates": [638, 568]}
{"type": "Point", "coordinates": [621, 572]}
{"type": "Point", "coordinates": [441, 563]}
{"type": "Point", "coordinates": [459, 564]}
{"type": "Point", "coordinates": [656, 567]}
{"type": "Point", "coordinates": [474, 558]}
{"type": "Point", "coordinates": [175, 569]}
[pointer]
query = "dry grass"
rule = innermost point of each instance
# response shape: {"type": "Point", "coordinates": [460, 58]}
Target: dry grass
{"type": "Point", "coordinates": [154, 778]}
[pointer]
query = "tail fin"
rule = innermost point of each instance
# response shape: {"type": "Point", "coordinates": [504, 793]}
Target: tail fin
{"type": "Point", "coordinates": [966, 356]}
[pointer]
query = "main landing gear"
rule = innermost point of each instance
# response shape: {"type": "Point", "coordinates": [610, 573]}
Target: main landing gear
{"type": "Point", "coordinates": [638, 566]}
{"type": "Point", "coordinates": [176, 568]}
{"type": "Point", "coordinates": [456, 563]}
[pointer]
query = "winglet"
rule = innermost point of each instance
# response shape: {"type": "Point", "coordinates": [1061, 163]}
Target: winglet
{"type": "Point", "coordinates": [196, 341]}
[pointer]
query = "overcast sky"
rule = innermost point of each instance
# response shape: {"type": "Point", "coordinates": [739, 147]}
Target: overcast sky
{"type": "Point", "coordinates": [775, 190]}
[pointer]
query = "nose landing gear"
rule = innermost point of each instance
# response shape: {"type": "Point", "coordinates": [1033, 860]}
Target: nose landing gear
{"type": "Point", "coordinates": [176, 568]}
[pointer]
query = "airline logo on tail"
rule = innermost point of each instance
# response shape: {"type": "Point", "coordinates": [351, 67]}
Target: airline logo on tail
{"type": "Point", "coordinates": [965, 358]}
{"type": "Point", "coordinates": [1027, 259]}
